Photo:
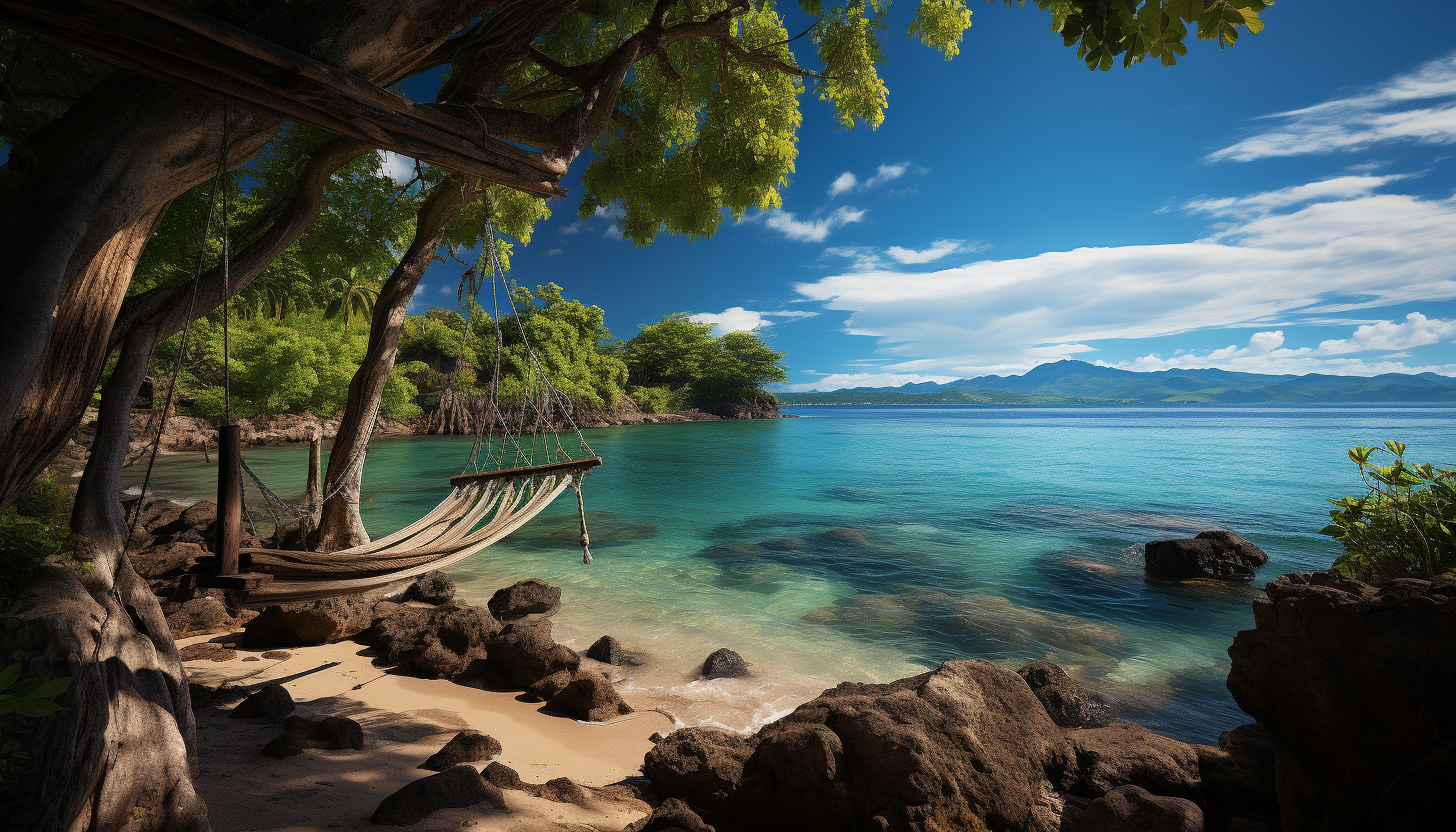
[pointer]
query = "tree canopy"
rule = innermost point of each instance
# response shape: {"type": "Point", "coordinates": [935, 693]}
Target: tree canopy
{"type": "Point", "coordinates": [678, 361]}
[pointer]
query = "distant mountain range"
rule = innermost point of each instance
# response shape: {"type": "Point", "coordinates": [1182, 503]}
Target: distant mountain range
{"type": "Point", "coordinates": [1077, 382]}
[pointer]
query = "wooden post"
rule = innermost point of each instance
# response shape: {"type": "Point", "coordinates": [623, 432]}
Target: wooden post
{"type": "Point", "coordinates": [229, 498]}
{"type": "Point", "coordinates": [314, 492]}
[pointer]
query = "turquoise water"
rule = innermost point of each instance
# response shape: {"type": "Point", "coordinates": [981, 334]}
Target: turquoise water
{"type": "Point", "coordinates": [868, 543]}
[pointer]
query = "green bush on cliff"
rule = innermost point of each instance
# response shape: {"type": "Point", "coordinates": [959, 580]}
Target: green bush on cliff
{"type": "Point", "coordinates": [1404, 526]}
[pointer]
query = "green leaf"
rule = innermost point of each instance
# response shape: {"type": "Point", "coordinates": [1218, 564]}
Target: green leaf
{"type": "Point", "coordinates": [9, 675]}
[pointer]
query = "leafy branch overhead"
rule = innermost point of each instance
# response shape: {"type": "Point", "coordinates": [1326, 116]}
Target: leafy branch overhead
{"type": "Point", "coordinates": [1404, 526]}
{"type": "Point", "coordinates": [1138, 29]}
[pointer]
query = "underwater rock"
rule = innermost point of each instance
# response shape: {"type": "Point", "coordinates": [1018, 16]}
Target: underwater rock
{"type": "Point", "coordinates": [1212, 554]}
{"type": "Point", "coordinates": [1068, 703]}
{"type": "Point", "coordinates": [724, 664]}
{"type": "Point", "coordinates": [532, 596]}
{"type": "Point", "coordinates": [966, 746]}
{"type": "Point", "coordinates": [1355, 686]}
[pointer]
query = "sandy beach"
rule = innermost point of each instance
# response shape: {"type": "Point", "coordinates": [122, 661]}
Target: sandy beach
{"type": "Point", "coordinates": [405, 720]}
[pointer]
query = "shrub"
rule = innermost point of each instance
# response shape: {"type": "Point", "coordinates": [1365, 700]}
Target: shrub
{"type": "Point", "coordinates": [662, 399]}
{"type": "Point", "coordinates": [1405, 524]}
{"type": "Point", "coordinates": [35, 527]}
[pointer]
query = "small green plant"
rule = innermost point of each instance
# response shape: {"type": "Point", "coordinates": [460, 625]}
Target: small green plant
{"type": "Point", "coordinates": [36, 527]}
{"type": "Point", "coordinates": [1405, 524]}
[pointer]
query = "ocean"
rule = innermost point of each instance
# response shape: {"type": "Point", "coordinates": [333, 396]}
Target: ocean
{"type": "Point", "coordinates": [871, 543]}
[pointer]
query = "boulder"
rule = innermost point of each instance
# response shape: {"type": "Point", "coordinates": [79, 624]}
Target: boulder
{"type": "Point", "coordinates": [165, 559]}
{"type": "Point", "coordinates": [1125, 754]}
{"type": "Point", "coordinates": [464, 747]}
{"type": "Point", "coordinates": [1355, 686]}
{"type": "Point", "coordinates": [532, 596]}
{"type": "Point", "coordinates": [431, 588]}
{"type": "Point", "coordinates": [454, 788]}
{"type": "Point", "coordinates": [271, 702]}
{"type": "Point", "coordinates": [608, 650]}
{"type": "Point", "coordinates": [1131, 809]}
{"type": "Point", "coordinates": [724, 664]}
{"type": "Point", "coordinates": [672, 816]}
{"type": "Point", "coordinates": [1212, 554]}
{"type": "Point", "coordinates": [442, 642]}
{"type": "Point", "coordinates": [503, 776]}
{"type": "Point", "coordinates": [966, 746]}
{"type": "Point", "coordinates": [197, 524]}
{"type": "Point", "coordinates": [559, 790]}
{"type": "Point", "coordinates": [524, 653]}
{"type": "Point", "coordinates": [1068, 703]}
{"type": "Point", "coordinates": [309, 622]}
{"type": "Point", "coordinates": [329, 732]}
{"type": "Point", "coordinates": [1238, 778]}
{"type": "Point", "coordinates": [198, 616]}
{"type": "Point", "coordinates": [207, 651]}
{"type": "Point", "coordinates": [589, 696]}
{"type": "Point", "coordinates": [278, 654]}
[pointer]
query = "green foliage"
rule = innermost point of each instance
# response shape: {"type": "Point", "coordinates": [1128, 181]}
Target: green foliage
{"type": "Point", "coordinates": [660, 399]}
{"type": "Point", "coordinates": [1138, 29]}
{"type": "Point", "coordinates": [21, 698]}
{"type": "Point", "coordinates": [34, 528]}
{"type": "Point", "coordinates": [1404, 526]}
{"type": "Point", "coordinates": [941, 24]}
{"type": "Point", "coordinates": [38, 82]}
{"type": "Point", "coordinates": [681, 356]}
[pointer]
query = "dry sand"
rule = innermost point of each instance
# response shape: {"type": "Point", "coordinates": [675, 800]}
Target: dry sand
{"type": "Point", "coordinates": [405, 720]}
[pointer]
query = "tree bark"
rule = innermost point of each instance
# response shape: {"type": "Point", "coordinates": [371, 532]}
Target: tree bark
{"type": "Point", "coordinates": [340, 526]}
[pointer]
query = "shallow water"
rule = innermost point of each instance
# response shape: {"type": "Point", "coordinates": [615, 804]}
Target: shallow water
{"type": "Point", "coordinates": [870, 543]}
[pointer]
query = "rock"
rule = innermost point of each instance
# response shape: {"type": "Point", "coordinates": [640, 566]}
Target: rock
{"type": "Point", "coordinates": [524, 653]}
{"type": "Point", "coordinates": [1238, 778]}
{"type": "Point", "coordinates": [608, 650]}
{"type": "Point", "coordinates": [464, 747]}
{"type": "Point", "coordinates": [278, 654]}
{"type": "Point", "coordinates": [1068, 704]}
{"type": "Point", "coordinates": [442, 642]}
{"type": "Point", "coordinates": [455, 788]}
{"type": "Point", "coordinates": [207, 651]}
{"type": "Point", "coordinates": [155, 515]}
{"type": "Point", "coordinates": [724, 664]}
{"type": "Point", "coordinates": [165, 559]}
{"type": "Point", "coordinates": [532, 596]}
{"type": "Point", "coordinates": [198, 616]}
{"type": "Point", "coordinates": [431, 588]}
{"type": "Point", "coordinates": [1131, 809]}
{"type": "Point", "coordinates": [546, 689]}
{"type": "Point", "coordinates": [1212, 554]}
{"type": "Point", "coordinates": [329, 732]}
{"type": "Point", "coordinates": [591, 697]}
{"type": "Point", "coordinates": [1355, 687]}
{"type": "Point", "coordinates": [560, 790]}
{"type": "Point", "coordinates": [966, 746]}
{"type": "Point", "coordinates": [248, 659]}
{"type": "Point", "coordinates": [201, 695]}
{"type": "Point", "coordinates": [503, 776]}
{"type": "Point", "coordinates": [197, 524]}
{"type": "Point", "coordinates": [269, 702]}
{"type": "Point", "coordinates": [310, 622]}
{"type": "Point", "coordinates": [1125, 754]}
{"type": "Point", "coordinates": [672, 816]}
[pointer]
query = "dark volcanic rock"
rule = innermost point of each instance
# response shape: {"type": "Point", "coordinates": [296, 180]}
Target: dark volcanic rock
{"type": "Point", "coordinates": [1238, 777]}
{"type": "Point", "coordinates": [434, 642]}
{"type": "Point", "coordinates": [1212, 554]}
{"type": "Point", "coordinates": [524, 653]}
{"type": "Point", "coordinates": [1125, 754]}
{"type": "Point", "coordinates": [269, 702]}
{"type": "Point", "coordinates": [207, 651]}
{"type": "Point", "coordinates": [170, 558]}
{"type": "Point", "coordinates": [464, 747]}
{"type": "Point", "coordinates": [1356, 688]}
{"type": "Point", "coordinates": [197, 524]}
{"type": "Point", "coordinates": [503, 776]}
{"type": "Point", "coordinates": [329, 732]}
{"type": "Point", "coordinates": [672, 816]}
{"type": "Point", "coordinates": [455, 788]}
{"type": "Point", "coordinates": [1131, 809]}
{"type": "Point", "coordinates": [431, 588]}
{"type": "Point", "coordinates": [608, 650]}
{"type": "Point", "coordinates": [1068, 704]}
{"type": "Point", "coordinates": [559, 790]}
{"type": "Point", "coordinates": [532, 596]}
{"type": "Point", "coordinates": [724, 664]}
{"type": "Point", "coordinates": [591, 697]}
{"type": "Point", "coordinates": [309, 622]}
{"type": "Point", "coordinates": [200, 615]}
{"type": "Point", "coordinates": [966, 746]}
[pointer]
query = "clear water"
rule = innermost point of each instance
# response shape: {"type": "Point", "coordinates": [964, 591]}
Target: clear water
{"type": "Point", "coordinates": [870, 543]}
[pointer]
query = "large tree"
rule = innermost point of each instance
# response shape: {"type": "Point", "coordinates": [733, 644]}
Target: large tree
{"type": "Point", "coordinates": [693, 109]}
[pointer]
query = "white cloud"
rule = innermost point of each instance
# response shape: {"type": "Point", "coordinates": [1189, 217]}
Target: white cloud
{"type": "Point", "coordinates": [575, 228]}
{"type": "Point", "coordinates": [614, 232]}
{"type": "Point", "coordinates": [937, 250]}
{"type": "Point", "coordinates": [1416, 331]}
{"type": "Point", "coordinates": [447, 290]}
{"type": "Point", "coordinates": [840, 381]}
{"type": "Point", "coordinates": [1266, 353]}
{"type": "Point", "coordinates": [1417, 106]}
{"type": "Point", "coordinates": [1282, 256]}
{"type": "Point", "coordinates": [1056, 352]}
{"type": "Point", "coordinates": [399, 168]}
{"type": "Point", "coordinates": [886, 173]}
{"type": "Point", "coordinates": [843, 183]}
{"type": "Point", "coordinates": [738, 319]}
{"type": "Point", "coordinates": [847, 181]}
{"type": "Point", "coordinates": [813, 231]}
{"type": "Point", "coordinates": [613, 211]}
{"type": "Point", "coordinates": [553, 252]}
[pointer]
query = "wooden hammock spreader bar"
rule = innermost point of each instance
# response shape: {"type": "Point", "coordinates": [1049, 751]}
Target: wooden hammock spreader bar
{"type": "Point", "coordinates": [574, 465]}
{"type": "Point", "coordinates": [178, 43]}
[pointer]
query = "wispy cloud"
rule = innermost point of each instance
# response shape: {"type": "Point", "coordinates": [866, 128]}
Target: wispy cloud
{"type": "Point", "coordinates": [574, 228]}
{"type": "Point", "coordinates": [1314, 251]}
{"type": "Point", "coordinates": [847, 181]}
{"type": "Point", "coordinates": [937, 250]}
{"type": "Point", "coordinates": [399, 168]}
{"type": "Point", "coordinates": [1417, 106]}
{"type": "Point", "coordinates": [1266, 353]}
{"type": "Point", "coordinates": [842, 381]}
{"type": "Point", "coordinates": [843, 183]}
{"type": "Point", "coordinates": [869, 258]}
{"type": "Point", "coordinates": [554, 252]}
{"type": "Point", "coordinates": [816, 230]}
{"type": "Point", "coordinates": [738, 319]}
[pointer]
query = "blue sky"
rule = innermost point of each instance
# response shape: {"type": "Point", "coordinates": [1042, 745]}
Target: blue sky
{"type": "Point", "coordinates": [1283, 206]}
